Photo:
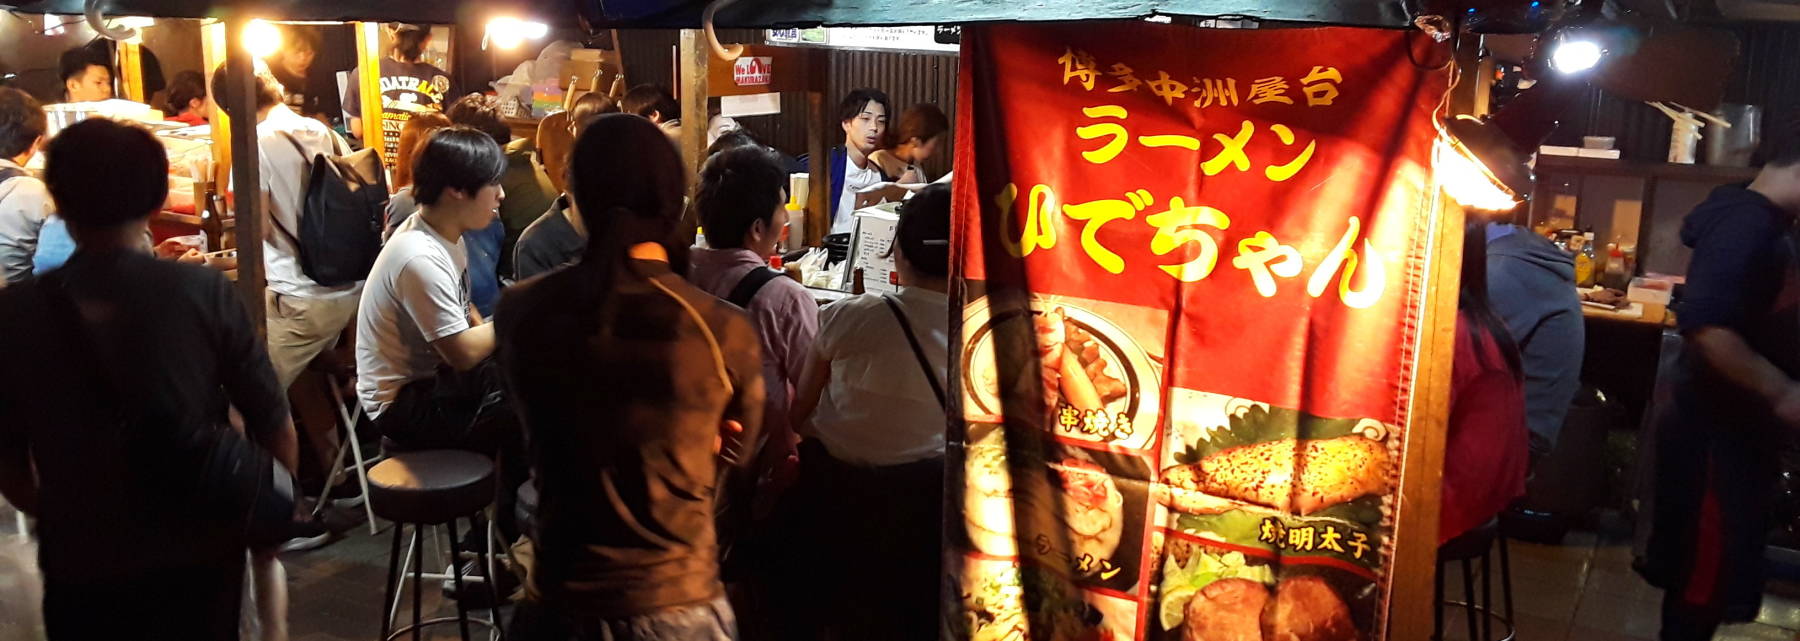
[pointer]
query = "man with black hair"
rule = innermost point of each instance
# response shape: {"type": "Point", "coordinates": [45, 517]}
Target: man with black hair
{"type": "Point", "coordinates": [864, 116]}
{"type": "Point", "coordinates": [423, 371]}
{"type": "Point", "coordinates": [305, 318]}
{"type": "Point", "coordinates": [1736, 398]}
{"type": "Point", "coordinates": [742, 203]}
{"type": "Point", "coordinates": [86, 75]}
{"type": "Point", "coordinates": [528, 190]}
{"type": "Point", "coordinates": [292, 65]}
{"type": "Point", "coordinates": [653, 102]}
{"type": "Point", "coordinates": [408, 86]}
{"type": "Point", "coordinates": [90, 444]}
{"type": "Point", "coordinates": [25, 203]}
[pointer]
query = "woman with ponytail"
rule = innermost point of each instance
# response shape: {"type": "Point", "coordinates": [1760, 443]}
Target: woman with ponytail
{"type": "Point", "coordinates": [1486, 452]}
{"type": "Point", "coordinates": [638, 392]}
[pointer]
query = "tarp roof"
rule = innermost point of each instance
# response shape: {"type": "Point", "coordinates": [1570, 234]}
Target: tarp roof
{"type": "Point", "coordinates": [758, 13]}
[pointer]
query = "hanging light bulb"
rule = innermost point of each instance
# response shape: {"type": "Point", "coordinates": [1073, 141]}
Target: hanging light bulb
{"type": "Point", "coordinates": [1575, 56]}
{"type": "Point", "coordinates": [261, 38]}
{"type": "Point", "coordinates": [509, 33]}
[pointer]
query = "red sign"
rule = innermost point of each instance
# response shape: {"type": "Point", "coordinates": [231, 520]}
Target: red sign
{"type": "Point", "coordinates": [1191, 278]}
{"type": "Point", "coordinates": [751, 71]}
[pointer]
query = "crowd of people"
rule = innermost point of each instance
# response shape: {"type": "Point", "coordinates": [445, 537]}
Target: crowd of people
{"type": "Point", "coordinates": [664, 416]}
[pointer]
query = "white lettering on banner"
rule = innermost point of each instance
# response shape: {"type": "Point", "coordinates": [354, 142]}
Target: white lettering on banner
{"type": "Point", "coordinates": [752, 71]}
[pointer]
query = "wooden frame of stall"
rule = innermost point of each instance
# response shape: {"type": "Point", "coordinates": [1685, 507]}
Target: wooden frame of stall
{"type": "Point", "coordinates": [795, 70]}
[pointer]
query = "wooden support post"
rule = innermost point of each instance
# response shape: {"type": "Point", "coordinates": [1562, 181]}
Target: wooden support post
{"type": "Point", "coordinates": [818, 168]}
{"type": "Point", "coordinates": [695, 55]}
{"type": "Point", "coordinates": [246, 170]}
{"type": "Point", "coordinates": [368, 84]}
{"type": "Point", "coordinates": [1470, 97]}
{"type": "Point", "coordinates": [131, 71]}
{"type": "Point", "coordinates": [1422, 472]}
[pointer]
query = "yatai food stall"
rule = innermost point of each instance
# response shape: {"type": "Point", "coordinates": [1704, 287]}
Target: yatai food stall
{"type": "Point", "coordinates": [1204, 299]}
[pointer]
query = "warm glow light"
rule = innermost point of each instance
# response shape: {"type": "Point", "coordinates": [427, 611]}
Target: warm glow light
{"type": "Point", "coordinates": [1467, 180]}
{"type": "Point", "coordinates": [1573, 56]}
{"type": "Point", "coordinates": [509, 33]}
{"type": "Point", "coordinates": [262, 38]}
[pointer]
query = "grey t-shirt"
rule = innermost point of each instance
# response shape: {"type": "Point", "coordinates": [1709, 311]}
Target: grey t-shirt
{"type": "Point", "coordinates": [417, 292]}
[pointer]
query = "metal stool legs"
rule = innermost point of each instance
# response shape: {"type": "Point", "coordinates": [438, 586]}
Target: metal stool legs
{"type": "Point", "coordinates": [348, 415]}
{"type": "Point", "coordinates": [397, 567]}
{"type": "Point", "coordinates": [1481, 605]}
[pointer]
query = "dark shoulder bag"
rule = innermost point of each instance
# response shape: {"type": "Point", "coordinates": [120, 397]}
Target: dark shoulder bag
{"type": "Point", "coordinates": [222, 472]}
{"type": "Point", "coordinates": [937, 388]}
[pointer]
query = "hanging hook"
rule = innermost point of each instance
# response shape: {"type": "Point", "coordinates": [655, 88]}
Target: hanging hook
{"type": "Point", "coordinates": [98, 22]}
{"type": "Point", "coordinates": [726, 53]}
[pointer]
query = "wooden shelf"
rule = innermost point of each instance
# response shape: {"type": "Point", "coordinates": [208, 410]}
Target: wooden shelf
{"type": "Point", "coordinates": [181, 219]}
{"type": "Point", "coordinates": [1636, 169]}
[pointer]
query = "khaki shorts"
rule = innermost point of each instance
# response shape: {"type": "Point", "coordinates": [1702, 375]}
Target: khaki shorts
{"type": "Point", "coordinates": [301, 328]}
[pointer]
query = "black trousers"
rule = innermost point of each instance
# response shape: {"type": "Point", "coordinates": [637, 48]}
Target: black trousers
{"type": "Point", "coordinates": [197, 603]}
{"type": "Point", "coordinates": [866, 543]}
{"type": "Point", "coordinates": [464, 411]}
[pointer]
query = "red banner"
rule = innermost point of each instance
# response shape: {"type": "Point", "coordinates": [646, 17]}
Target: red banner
{"type": "Point", "coordinates": [1191, 274]}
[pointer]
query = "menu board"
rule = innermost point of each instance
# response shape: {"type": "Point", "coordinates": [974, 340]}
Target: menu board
{"type": "Point", "coordinates": [1190, 274]}
{"type": "Point", "coordinates": [870, 249]}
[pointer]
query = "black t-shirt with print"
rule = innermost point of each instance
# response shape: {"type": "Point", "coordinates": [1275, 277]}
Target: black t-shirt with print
{"type": "Point", "coordinates": [407, 88]}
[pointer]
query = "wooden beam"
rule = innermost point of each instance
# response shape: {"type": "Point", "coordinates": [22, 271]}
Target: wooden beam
{"type": "Point", "coordinates": [212, 54]}
{"type": "Point", "coordinates": [368, 84]}
{"type": "Point", "coordinates": [695, 57]}
{"type": "Point", "coordinates": [131, 70]}
{"type": "Point", "coordinates": [818, 169]}
{"type": "Point", "coordinates": [1470, 96]}
{"type": "Point", "coordinates": [1422, 471]}
{"type": "Point", "coordinates": [246, 168]}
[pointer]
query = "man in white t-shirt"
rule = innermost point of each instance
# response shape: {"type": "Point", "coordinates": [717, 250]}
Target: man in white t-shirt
{"type": "Point", "coordinates": [423, 367]}
{"type": "Point", "coordinates": [864, 116]}
{"type": "Point", "coordinates": [305, 318]}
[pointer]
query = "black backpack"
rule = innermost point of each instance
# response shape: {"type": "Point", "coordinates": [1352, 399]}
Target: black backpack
{"type": "Point", "coordinates": [341, 212]}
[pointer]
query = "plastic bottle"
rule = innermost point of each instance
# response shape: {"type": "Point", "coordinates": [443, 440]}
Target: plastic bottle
{"type": "Point", "coordinates": [1618, 276]}
{"type": "Point", "coordinates": [1584, 262]}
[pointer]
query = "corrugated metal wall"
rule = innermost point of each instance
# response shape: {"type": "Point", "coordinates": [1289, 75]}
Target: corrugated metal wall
{"type": "Point", "coordinates": [1765, 75]}
{"type": "Point", "coordinates": [908, 79]}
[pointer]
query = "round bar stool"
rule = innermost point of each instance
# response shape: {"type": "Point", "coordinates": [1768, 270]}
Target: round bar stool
{"type": "Point", "coordinates": [1476, 545]}
{"type": "Point", "coordinates": [424, 489]}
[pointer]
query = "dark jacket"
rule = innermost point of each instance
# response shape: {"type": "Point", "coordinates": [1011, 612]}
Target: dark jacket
{"type": "Point", "coordinates": [1531, 284]}
{"type": "Point", "coordinates": [840, 157]}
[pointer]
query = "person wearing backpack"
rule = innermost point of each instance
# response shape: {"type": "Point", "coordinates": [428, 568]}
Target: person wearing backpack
{"type": "Point", "coordinates": [305, 316]}
{"type": "Point", "coordinates": [25, 203]}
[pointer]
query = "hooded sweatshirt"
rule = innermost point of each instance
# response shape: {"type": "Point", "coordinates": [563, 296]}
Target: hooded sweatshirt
{"type": "Point", "coordinates": [1531, 285]}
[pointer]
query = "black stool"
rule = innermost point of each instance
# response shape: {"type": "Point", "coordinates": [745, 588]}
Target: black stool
{"type": "Point", "coordinates": [1475, 544]}
{"type": "Point", "coordinates": [424, 489]}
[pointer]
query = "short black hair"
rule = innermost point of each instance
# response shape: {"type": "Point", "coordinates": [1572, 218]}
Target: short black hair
{"type": "Point", "coordinates": [923, 234]}
{"type": "Point", "coordinates": [738, 187]}
{"type": "Point", "coordinates": [732, 140]}
{"type": "Point", "coordinates": [185, 88]}
{"type": "Point", "coordinates": [858, 98]}
{"type": "Point", "coordinates": [102, 173]}
{"type": "Point", "coordinates": [299, 37]}
{"type": "Point", "coordinates": [22, 122]}
{"type": "Point", "coordinates": [409, 41]}
{"type": "Point", "coordinates": [456, 157]}
{"type": "Point", "coordinates": [644, 100]}
{"type": "Point", "coordinates": [481, 112]}
{"type": "Point", "coordinates": [268, 91]}
{"type": "Point", "coordinates": [76, 61]}
{"type": "Point", "coordinates": [1781, 140]}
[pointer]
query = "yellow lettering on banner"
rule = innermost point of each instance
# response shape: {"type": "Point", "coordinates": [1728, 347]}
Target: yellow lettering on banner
{"type": "Point", "coordinates": [1078, 66]}
{"type": "Point", "coordinates": [1128, 81]}
{"type": "Point", "coordinates": [1231, 152]}
{"type": "Point", "coordinates": [1212, 91]}
{"type": "Point", "coordinates": [1265, 258]}
{"type": "Point", "coordinates": [1113, 147]}
{"type": "Point", "coordinates": [1300, 539]}
{"type": "Point", "coordinates": [1331, 540]}
{"type": "Point", "coordinates": [1279, 173]}
{"type": "Point", "coordinates": [1320, 86]}
{"type": "Point", "coordinates": [1174, 229]}
{"type": "Point", "coordinates": [1272, 89]}
{"type": "Point", "coordinates": [1040, 220]}
{"type": "Point", "coordinates": [1169, 89]}
{"type": "Point", "coordinates": [1189, 143]}
{"type": "Point", "coordinates": [1343, 255]}
{"type": "Point", "coordinates": [1097, 214]}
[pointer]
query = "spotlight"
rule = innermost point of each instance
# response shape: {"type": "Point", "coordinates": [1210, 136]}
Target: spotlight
{"type": "Point", "coordinates": [261, 38]}
{"type": "Point", "coordinates": [509, 33]}
{"type": "Point", "coordinates": [1575, 56]}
